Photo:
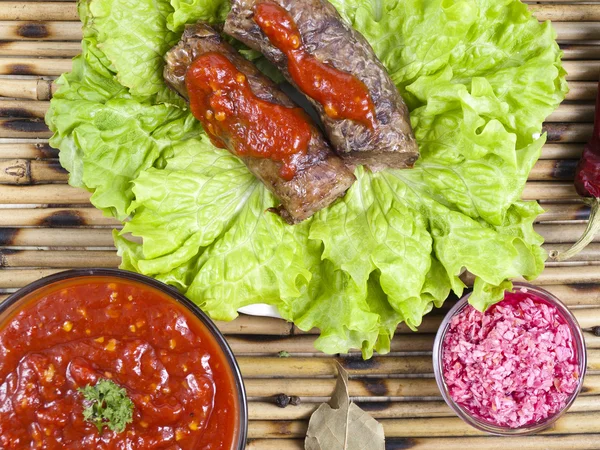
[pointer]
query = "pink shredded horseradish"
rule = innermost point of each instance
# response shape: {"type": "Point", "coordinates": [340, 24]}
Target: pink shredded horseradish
{"type": "Point", "coordinates": [512, 366]}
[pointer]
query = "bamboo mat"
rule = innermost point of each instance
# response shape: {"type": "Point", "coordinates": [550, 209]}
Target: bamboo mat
{"type": "Point", "coordinates": [47, 226]}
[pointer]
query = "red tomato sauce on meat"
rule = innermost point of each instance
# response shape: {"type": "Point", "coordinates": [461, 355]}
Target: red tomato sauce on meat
{"type": "Point", "coordinates": [234, 118]}
{"type": "Point", "coordinates": [71, 334]}
{"type": "Point", "coordinates": [342, 95]}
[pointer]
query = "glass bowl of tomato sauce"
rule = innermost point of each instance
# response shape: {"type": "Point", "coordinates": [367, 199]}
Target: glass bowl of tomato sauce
{"type": "Point", "coordinates": [105, 358]}
{"type": "Point", "coordinates": [514, 369]}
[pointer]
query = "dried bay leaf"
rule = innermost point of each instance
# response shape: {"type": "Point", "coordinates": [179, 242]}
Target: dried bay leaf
{"type": "Point", "coordinates": [342, 425]}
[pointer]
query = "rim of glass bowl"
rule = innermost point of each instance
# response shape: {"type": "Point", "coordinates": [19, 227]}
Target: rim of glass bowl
{"type": "Point", "coordinates": [11, 304]}
{"type": "Point", "coordinates": [489, 427]}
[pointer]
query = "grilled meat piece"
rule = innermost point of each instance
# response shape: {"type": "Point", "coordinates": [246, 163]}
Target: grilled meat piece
{"type": "Point", "coordinates": [319, 177]}
{"type": "Point", "coordinates": [326, 38]}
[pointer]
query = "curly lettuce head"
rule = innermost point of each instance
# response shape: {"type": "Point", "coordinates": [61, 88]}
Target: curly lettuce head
{"type": "Point", "coordinates": [479, 76]}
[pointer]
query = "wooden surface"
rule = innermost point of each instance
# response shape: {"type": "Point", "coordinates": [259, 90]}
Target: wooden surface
{"type": "Point", "coordinates": [47, 226]}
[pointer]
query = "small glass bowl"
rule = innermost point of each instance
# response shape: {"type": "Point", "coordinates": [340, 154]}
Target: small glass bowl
{"type": "Point", "coordinates": [488, 427]}
{"type": "Point", "coordinates": [20, 299]}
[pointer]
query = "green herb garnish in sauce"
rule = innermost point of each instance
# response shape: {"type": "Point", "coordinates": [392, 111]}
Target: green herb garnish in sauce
{"type": "Point", "coordinates": [107, 404]}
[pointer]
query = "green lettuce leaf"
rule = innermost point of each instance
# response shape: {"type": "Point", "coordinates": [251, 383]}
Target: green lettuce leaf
{"type": "Point", "coordinates": [107, 136]}
{"type": "Point", "coordinates": [373, 228]}
{"type": "Point", "coordinates": [479, 77]}
{"type": "Point", "coordinates": [188, 204]}
{"type": "Point", "coordinates": [133, 35]}
{"type": "Point", "coordinates": [259, 262]}
{"type": "Point", "coordinates": [191, 11]}
{"type": "Point", "coordinates": [112, 142]}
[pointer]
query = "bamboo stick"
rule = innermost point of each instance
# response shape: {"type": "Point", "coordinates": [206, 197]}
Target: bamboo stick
{"type": "Point", "coordinates": [31, 89]}
{"type": "Point", "coordinates": [63, 194]}
{"type": "Point", "coordinates": [251, 325]}
{"type": "Point", "coordinates": [26, 171]}
{"type": "Point", "coordinates": [582, 70]}
{"type": "Point", "coordinates": [384, 410]}
{"type": "Point", "coordinates": [561, 233]}
{"type": "Point", "coordinates": [23, 109]}
{"type": "Point", "coordinates": [56, 218]}
{"type": "Point", "coordinates": [309, 367]}
{"type": "Point", "coordinates": [20, 278]}
{"type": "Point", "coordinates": [538, 442]}
{"type": "Point", "coordinates": [280, 429]}
{"type": "Point", "coordinates": [34, 66]}
{"type": "Point", "coordinates": [559, 442]}
{"type": "Point", "coordinates": [576, 31]}
{"type": "Point", "coordinates": [58, 259]}
{"type": "Point", "coordinates": [268, 345]}
{"type": "Point", "coordinates": [27, 150]}
{"type": "Point", "coordinates": [371, 388]}
{"type": "Point", "coordinates": [56, 237]}
{"type": "Point", "coordinates": [580, 52]}
{"type": "Point", "coordinates": [582, 90]}
{"type": "Point", "coordinates": [566, 13]}
{"type": "Point", "coordinates": [564, 211]}
{"type": "Point", "coordinates": [57, 194]}
{"type": "Point", "coordinates": [378, 410]}
{"type": "Point", "coordinates": [15, 171]}
{"type": "Point", "coordinates": [270, 411]}
{"type": "Point", "coordinates": [553, 169]}
{"type": "Point", "coordinates": [591, 340]}
{"type": "Point", "coordinates": [38, 10]}
{"type": "Point", "coordinates": [577, 294]}
{"type": "Point", "coordinates": [568, 132]}
{"type": "Point", "coordinates": [71, 49]}
{"type": "Point", "coordinates": [23, 128]}
{"type": "Point", "coordinates": [589, 318]}
{"type": "Point", "coordinates": [585, 422]}
{"type": "Point", "coordinates": [48, 171]}
{"type": "Point", "coordinates": [50, 30]}
{"type": "Point", "coordinates": [562, 151]}
{"type": "Point", "coordinates": [546, 190]}
{"type": "Point", "coordinates": [276, 444]}
{"type": "Point", "coordinates": [570, 112]}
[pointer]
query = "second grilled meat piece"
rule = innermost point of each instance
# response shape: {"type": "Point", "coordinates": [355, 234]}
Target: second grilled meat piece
{"type": "Point", "coordinates": [245, 112]}
{"type": "Point", "coordinates": [364, 115]}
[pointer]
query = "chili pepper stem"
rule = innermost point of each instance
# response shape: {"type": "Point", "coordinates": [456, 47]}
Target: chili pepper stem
{"type": "Point", "coordinates": [593, 227]}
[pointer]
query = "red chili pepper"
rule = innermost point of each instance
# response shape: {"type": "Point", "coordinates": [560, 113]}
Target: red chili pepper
{"type": "Point", "coordinates": [587, 184]}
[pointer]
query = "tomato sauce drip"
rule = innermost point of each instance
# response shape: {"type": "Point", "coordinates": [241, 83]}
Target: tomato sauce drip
{"type": "Point", "coordinates": [171, 367]}
{"type": "Point", "coordinates": [342, 95]}
{"type": "Point", "coordinates": [235, 118]}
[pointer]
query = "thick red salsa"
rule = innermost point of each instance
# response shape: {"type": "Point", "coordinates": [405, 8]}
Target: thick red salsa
{"type": "Point", "coordinates": [74, 333]}
{"type": "Point", "coordinates": [342, 95]}
{"type": "Point", "coordinates": [222, 100]}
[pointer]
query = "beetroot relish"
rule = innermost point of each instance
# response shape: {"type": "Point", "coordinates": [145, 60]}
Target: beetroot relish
{"type": "Point", "coordinates": [512, 366]}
